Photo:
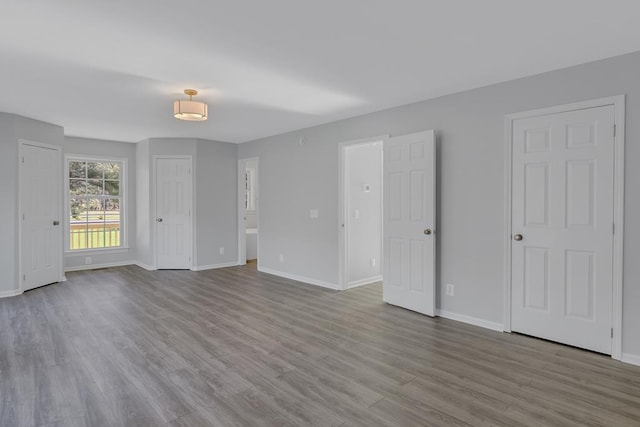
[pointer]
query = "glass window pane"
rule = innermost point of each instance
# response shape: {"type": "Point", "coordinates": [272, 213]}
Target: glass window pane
{"type": "Point", "coordinates": [111, 170]}
{"type": "Point", "coordinates": [77, 187]}
{"type": "Point", "coordinates": [112, 223]}
{"type": "Point", "coordinates": [77, 224]}
{"type": "Point", "coordinates": [112, 188]}
{"type": "Point", "coordinates": [77, 169]}
{"type": "Point", "coordinates": [95, 170]}
{"type": "Point", "coordinates": [95, 186]}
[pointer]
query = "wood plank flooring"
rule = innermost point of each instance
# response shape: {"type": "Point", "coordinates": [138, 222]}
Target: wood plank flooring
{"type": "Point", "coordinates": [234, 347]}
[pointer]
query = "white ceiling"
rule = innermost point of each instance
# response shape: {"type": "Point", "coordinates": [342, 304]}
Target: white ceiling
{"type": "Point", "coordinates": [111, 69]}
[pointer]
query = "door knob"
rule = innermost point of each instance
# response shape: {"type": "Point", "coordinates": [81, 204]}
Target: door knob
{"type": "Point", "coordinates": [159, 219]}
{"type": "Point", "coordinates": [517, 237]}
{"type": "Point", "coordinates": [56, 222]}
{"type": "Point", "coordinates": [427, 231]}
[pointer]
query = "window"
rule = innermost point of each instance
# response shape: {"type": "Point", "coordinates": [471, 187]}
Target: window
{"type": "Point", "coordinates": [95, 204]}
{"type": "Point", "coordinates": [249, 183]}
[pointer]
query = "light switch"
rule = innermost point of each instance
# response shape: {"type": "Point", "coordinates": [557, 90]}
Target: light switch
{"type": "Point", "coordinates": [356, 214]}
{"type": "Point", "coordinates": [313, 214]}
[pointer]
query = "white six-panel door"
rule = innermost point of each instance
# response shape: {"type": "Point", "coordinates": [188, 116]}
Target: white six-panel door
{"type": "Point", "coordinates": [562, 224]}
{"type": "Point", "coordinates": [173, 213]}
{"type": "Point", "coordinates": [409, 220]}
{"type": "Point", "coordinates": [41, 238]}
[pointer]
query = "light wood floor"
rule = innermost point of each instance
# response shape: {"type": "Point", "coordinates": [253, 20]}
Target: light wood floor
{"type": "Point", "coordinates": [124, 346]}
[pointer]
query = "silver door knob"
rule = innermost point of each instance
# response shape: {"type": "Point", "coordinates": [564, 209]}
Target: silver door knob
{"type": "Point", "coordinates": [159, 219]}
{"type": "Point", "coordinates": [517, 237]}
{"type": "Point", "coordinates": [427, 231]}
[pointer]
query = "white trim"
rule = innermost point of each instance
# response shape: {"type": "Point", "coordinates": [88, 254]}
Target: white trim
{"type": "Point", "coordinates": [144, 266]}
{"type": "Point", "coordinates": [343, 244]}
{"type": "Point", "coordinates": [364, 282]}
{"type": "Point", "coordinates": [13, 293]}
{"type": "Point", "coordinates": [301, 279]}
{"type": "Point", "coordinates": [96, 252]}
{"type": "Point", "coordinates": [58, 149]}
{"type": "Point", "coordinates": [632, 359]}
{"type": "Point", "coordinates": [487, 324]}
{"type": "Point", "coordinates": [214, 266]}
{"type": "Point", "coordinates": [99, 266]}
{"type": "Point", "coordinates": [154, 204]}
{"type": "Point", "coordinates": [618, 103]}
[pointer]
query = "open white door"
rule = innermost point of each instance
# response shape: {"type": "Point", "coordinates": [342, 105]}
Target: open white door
{"type": "Point", "coordinates": [173, 213]}
{"type": "Point", "coordinates": [409, 221]}
{"type": "Point", "coordinates": [40, 231]}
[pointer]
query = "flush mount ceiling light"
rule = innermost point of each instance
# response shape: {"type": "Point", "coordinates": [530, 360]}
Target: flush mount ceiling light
{"type": "Point", "coordinates": [193, 111]}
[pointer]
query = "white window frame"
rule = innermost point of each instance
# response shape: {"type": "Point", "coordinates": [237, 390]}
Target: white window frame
{"type": "Point", "coordinates": [124, 235]}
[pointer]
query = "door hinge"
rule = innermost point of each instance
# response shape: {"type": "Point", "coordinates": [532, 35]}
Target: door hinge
{"type": "Point", "coordinates": [615, 128]}
{"type": "Point", "coordinates": [611, 332]}
{"type": "Point", "coordinates": [24, 277]}
{"type": "Point", "coordinates": [23, 217]}
{"type": "Point", "coordinates": [22, 159]}
{"type": "Point", "coordinates": [613, 228]}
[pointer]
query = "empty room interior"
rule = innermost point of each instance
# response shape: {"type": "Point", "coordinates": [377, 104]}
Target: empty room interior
{"type": "Point", "coordinates": [330, 213]}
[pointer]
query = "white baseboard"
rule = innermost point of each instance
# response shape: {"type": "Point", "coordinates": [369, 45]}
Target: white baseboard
{"type": "Point", "coordinates": [494, 326]}
{"type": "Point", "coordinates": [97, 266]}
{"type": "Point", "coordinates": [301, 279]}
{"type": "Point", "coordinates": [145, 266]}
{"type": "Point", "coordinates": [213, 266]}
{"type": "Point", "coordinates": [363, 282]}
{"type": "Point", "coordinates": [12, 293]}
{"type": "Point", "coordinates": [632, 359]}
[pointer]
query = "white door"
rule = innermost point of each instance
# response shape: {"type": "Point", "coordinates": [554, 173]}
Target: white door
{"type": "Point", "coordinates": [173, 213]}
{"type": "Point", "coordinates": [562, 224]}
{"type": "Point", "coordinates": [41, 235]}
{"type": "Point", "coordinates": [409, 220]}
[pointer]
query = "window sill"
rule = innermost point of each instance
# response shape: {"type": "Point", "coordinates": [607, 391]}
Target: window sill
{"type": "Point", "coordinates": [99, 251]}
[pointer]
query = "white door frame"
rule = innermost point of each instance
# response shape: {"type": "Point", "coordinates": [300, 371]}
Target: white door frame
{"type": "Point", "coordinates": [58, 150]}
{"type": "Point", "coordinates": [242, 229]}
{"type": "Point", "coordinates": [154, 205]}
{"type": "Point", "coordinates": [343, 248]}
{"type": "Point", "coordinates": [618, 102]}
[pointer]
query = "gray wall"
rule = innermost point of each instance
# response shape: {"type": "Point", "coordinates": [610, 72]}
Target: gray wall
{"type": "Point", "coordinates": [216, 203]}
{"type": "Point", "coordinates": [109, 149]}
{"type": "Point", "coordinates": [295, 178]}
{"type": "Point", "coordinates": [214, 192]}
{"type": "Point", "coordinates": [143, 205]}
{"type": "Point", "coordinates": [12, 129]}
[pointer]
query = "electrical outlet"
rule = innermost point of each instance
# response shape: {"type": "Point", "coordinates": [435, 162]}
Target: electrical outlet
{"type": "Point", "coordinates": [373, 262]}
{"type": "Point", "coordinates": [87, 260]}
{"type": "Point", "coordinates": [450, 290]}
{"type": "Point", "coordinates": [313, 214]}
{"type": "Point", "coordinates": [221, 251]}
{"type": "Point", "coordinates": [281, 257]}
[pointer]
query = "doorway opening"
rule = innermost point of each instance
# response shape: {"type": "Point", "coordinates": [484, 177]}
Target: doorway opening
{"type": "Point", "coordinates": [362, 188]}
{"type": "Point", "coordinates": [248, 211]}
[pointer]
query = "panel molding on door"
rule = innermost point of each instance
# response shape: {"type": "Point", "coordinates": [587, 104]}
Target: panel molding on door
{"type": "Point", "coordinates": [40, 183]}
{"type": "Point", "coordinates": [564, 186]}
{"type": "Point", "coordinates": [409, 218]}
{"type": "Point", "coordinates": [173, 212]}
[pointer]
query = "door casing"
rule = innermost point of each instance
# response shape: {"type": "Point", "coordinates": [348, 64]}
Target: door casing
{"type": "Point", "coordinates": [242, 229]}
{"type": "Point", "coordinates": [618, 209]}
{"type": "Point", "coordinates": [343, 253]}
